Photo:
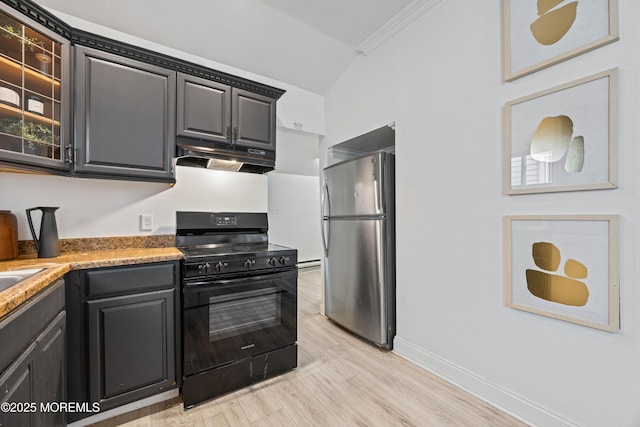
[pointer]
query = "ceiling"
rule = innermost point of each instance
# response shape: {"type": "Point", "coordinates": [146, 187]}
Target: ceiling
{"type": "Point", "coordinates": [348, 21]}
{"type": "Point", "coordinates": [305, 43]}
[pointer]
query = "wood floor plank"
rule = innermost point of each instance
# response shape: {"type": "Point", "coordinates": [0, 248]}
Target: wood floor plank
{"type": "Point", "coordinates": [340, 380]}
{"type": "Point", "coordinates": [278, 418]}
{"type": "Point", "coordinates": [259, 402]}
{"type": "Point", "coordinates": [227, 413]}
{"type": "Point", "coordinates": [302, 406]}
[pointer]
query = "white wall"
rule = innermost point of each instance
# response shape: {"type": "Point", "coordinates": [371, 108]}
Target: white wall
{"type": "Point", "coordinates": [105, 208]}
{"type": "Point", "coordinates": [294, 194]}
{"type": "Point", "coordinates": [294, 214]}
{"type": "Point", "coordinates": [440, 81]}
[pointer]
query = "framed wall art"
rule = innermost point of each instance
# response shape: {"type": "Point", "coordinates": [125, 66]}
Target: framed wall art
{"type": "Point", "coordinates": [563, 267]}
{"type": "Point", "coordinates": [562, 139]}
{"type": "Point", "coordinates": [537, 34]}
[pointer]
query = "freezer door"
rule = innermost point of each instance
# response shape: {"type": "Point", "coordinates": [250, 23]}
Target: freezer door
{"type": "Point", "coordinates": [357, 288]}
{"type": "Point", "coordinates": [355, 187]}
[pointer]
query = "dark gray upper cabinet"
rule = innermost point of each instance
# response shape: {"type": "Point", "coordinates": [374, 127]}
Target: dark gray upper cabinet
{"type": "Point", "coordinates": [124, 117]}
{"type": "Point", "coordinates": [217, 112]}
{"type": "Point", "coordinates": [34, 94]}
{"type": "Point", "coordinates": [204, 109]}
{"type": "Point", "coordinates": [254, 120]}
{"type": "Point", "coordinates": [111, 113]}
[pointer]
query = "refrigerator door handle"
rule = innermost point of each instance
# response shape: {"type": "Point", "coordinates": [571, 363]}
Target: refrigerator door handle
{"type": "Point", "coordinates": [324, 238]}
{"type": "Point", "coordinates": [325, 204]}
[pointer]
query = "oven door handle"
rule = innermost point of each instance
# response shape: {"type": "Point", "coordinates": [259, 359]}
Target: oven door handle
{"type": "Point", "coordinates": [202, 283]}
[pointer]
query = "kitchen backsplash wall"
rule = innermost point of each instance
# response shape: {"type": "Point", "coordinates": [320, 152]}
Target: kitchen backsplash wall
{"type": "Point", "coordinates": [103, 208]}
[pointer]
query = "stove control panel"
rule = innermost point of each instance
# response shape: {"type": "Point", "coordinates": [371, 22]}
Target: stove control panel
{"type": "Point", "coordinates": [229, 264]}
{"type": "Point", "coordinates": [226, 220]}
{"type": "Point", "coordinates": [235, 264]}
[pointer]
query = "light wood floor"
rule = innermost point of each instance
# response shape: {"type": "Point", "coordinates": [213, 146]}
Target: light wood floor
{"type": "Point", "coordinates": [340, 381]}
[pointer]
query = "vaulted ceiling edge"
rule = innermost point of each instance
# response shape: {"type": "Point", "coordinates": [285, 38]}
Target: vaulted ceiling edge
{"type": "Point", "coordinates": [405, 17]}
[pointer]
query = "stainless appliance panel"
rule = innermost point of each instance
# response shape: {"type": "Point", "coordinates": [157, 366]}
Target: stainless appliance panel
{"type": "Point", "coordinates": [354, 187]}
{"type": "Point", "coordinates": [357, 292]}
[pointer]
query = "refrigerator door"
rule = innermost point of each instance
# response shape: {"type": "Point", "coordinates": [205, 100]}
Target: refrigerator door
{"type": "Point", "coordinates": [357, 280]}
{"type": "Point", "coordinates": [355, 187]}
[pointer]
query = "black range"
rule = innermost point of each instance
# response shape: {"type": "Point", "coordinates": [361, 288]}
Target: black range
{"type": "Point", "coordinates": [239, 301]}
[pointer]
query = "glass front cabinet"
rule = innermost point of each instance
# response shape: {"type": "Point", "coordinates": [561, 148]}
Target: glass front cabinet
{"type": "Point", "coordinates": [34, 94]}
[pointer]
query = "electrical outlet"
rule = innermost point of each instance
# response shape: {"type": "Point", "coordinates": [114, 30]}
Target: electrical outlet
{"type": "Point", "coordinates": [146, 222]}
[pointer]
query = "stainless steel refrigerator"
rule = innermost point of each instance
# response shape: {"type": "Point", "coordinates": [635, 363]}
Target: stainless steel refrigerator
{"type": "Point", "coordinates": [358, 234]}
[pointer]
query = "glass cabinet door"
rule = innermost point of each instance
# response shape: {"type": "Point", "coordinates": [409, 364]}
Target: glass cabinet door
{"type": "Point", "coordinates": [31, 95]}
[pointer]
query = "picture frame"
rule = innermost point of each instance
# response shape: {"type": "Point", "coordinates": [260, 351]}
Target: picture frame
{"type": "Point", "coordinates": [563, 138]}
{"type": "Point", "coordinates": [536, 35]}
{"type": "Point", "coordinates": [564, 267]}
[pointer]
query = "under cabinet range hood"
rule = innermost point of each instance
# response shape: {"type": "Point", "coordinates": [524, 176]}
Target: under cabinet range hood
{"type": "Point", "coordinates": [206, 154]}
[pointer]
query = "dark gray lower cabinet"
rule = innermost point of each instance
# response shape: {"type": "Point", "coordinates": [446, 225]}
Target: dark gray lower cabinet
{"type": "Point", "coordinates": [129, 339]}
{"type": "Point", "coordinates": [125, 337]}
{"type": "Point", "coordinates": [33, 384]}
{"type": "Point", "coordinates": [124, 117]}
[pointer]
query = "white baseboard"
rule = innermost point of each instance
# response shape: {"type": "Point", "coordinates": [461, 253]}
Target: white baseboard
{"type": "Point", "coordinates": [503, 399]}
{"type": "Point", "coordinates": [313, 263]}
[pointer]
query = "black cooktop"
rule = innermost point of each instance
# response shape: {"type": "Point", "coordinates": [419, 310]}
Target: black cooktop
{"type": "Point", "coordinates": [250, 250]}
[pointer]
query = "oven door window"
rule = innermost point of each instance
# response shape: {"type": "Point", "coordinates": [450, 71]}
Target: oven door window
{"type": "Point", "coordinates": [243, 313]}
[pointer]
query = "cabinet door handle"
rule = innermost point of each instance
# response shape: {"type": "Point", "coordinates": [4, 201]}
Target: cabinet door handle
{"type": "Point", "coordinates": [68, 153]}
{"type": "Point", "coordinates": [227, 133]}
{"type": "Point", "coordinates": [235, 134]}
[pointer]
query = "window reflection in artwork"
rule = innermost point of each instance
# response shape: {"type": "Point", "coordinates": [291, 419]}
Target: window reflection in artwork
{"type": "Point", "coordinates": [525, 170]}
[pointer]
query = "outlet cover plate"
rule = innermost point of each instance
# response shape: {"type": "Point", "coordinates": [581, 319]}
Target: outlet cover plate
{"type": "Point", "coordinates": [146, 222]}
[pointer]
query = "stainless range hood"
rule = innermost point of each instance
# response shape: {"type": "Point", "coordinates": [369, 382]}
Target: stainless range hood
{"type": "Point", "coordinates": [210, 155]}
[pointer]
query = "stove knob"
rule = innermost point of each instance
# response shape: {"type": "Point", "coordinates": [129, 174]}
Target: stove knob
{"type": "Point", "coordinates": [218, 266]}
{"type": "Point", "coordinates": [204, 268]}
{"type": "Point", "coordinates": [272, 261]}
{"type": "Point", "coordinates": [283, 260]}
{"type": "Point", "coordinates": [247, 263]}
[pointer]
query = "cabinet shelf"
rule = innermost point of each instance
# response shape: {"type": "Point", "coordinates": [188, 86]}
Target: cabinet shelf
{"type": "Point", "coordinates": [27, 114]}
{"type": "Point", "coordinates": [28, 71]}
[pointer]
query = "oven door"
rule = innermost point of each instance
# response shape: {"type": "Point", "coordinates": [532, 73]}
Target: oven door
{"type": "Point", "coordinates": [232, 319]}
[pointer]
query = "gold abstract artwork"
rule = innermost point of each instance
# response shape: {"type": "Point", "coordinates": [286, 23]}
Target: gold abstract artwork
{"type": "Point", "coordinates": [575, 155]}
{"type": "Point", "coordinates": [545, 6]}
{"type": "Point", "coordinates": [552, 24]}
{"type": "Point", "coordinates": [552, 287]}
{"type": "Point", "coordinates": [552, 140]}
